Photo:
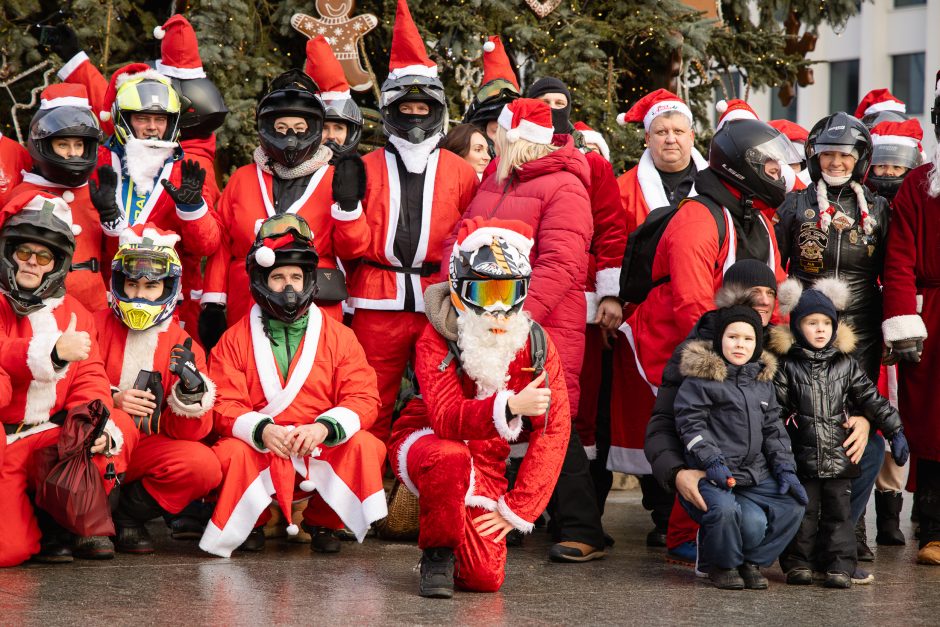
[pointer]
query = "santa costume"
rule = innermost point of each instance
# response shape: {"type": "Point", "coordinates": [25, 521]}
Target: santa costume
{"type": "Point", "coordinates": [415, 194]}
{"type": "Point", "coordinates": [449, 447]}
{"type": "Point", "coordinates": [14, 160]}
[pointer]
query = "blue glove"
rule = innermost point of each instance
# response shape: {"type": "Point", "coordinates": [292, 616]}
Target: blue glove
{"type": "Point", "coordinates": [900, 451]}
{"type": "Point", "coordinates": [719, 474]}
{"type": "Point", "coordinates": [789, 482]}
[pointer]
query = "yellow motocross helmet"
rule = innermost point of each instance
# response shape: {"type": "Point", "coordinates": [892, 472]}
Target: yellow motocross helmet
{"type": "Point", "coordinates": [149, 260]}
{"type": "Point", "coordinates": [146, 92]}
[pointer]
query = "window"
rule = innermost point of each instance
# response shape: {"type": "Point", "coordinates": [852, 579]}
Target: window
{"type": "Point", "coordinates": [843, 85]}
{"type": "Point", "coordinates": [898, 4]}
{"type": "Point", "coordinates": [780, 112]}
{"type": "Point", "coordinates": [907, 71]}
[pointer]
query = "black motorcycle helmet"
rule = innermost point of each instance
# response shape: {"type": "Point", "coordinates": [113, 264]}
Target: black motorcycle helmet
{"type": "Point", "coordinates": [293, 93]}
{"type": "Point", "coordinates": [839, 132]}
{"type": "Point", "coordinates": [204, 110]}
{"type": "Point", "coordinates": [35, 223]}
{"type": "Point", "coordinates": [740, 152]}
{"type": "Point", "coordinates": [489, 102]}
{"type": "Point", "coordinates": [59, 122]}
{"type": "Point", "coordinates": [344, 110]}
{"type": "Point", "coordinates": [414, 128]}
{"type": "Point", "coordinates": [283, 240]}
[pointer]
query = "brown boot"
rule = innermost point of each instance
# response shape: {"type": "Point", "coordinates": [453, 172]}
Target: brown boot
{"type": "Point", "coordinates": [297, 513]}
{"type": "Point", "coordinates": [929, 554]}
{"type": "Point", "coordinates": [575, 552]}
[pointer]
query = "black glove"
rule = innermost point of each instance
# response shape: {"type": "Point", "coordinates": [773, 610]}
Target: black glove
{"type": "Point", "coordinates": [102, 195]}
{"type": "Point", "coordinates": [188, 196]}
{"type": "Point", "coordinates": [212, 324]}
{"type": "Point", "coordinates": [349, 181]}
{"type": "Point", "coordinates": [183, 365]}
{"type": "Point", "coordinates": [60, 39]}
{"type": "Point", "coordinates": [908, 350]}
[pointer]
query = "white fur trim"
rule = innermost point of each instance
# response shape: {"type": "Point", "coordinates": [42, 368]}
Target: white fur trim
{"type": "Point", "coordinates": [788, 295]}
{"type": "Point", "coordinates": [148, 74]}
{"type": "Point", "coordinates": [189, 216]}
{"type": "Point", "coordinates": [593, 137]}
{"type": "Point", "coordinates": [902, 140]}
{"type": "Point", "coordinates": [66, 101]}
{"type": "Point", "coordinates": [180, 72]}
{"type": "Point", "coordinates": [41, 395]}
{"type": "Point", "coordinates": [530, 131]}
{"type": "Point", "coordinates": [484, 237]}
{"type": "Point", "coordinates": [835, 290]}
{"type": "Point", "coordinates": [607, 282]}
{"type": "Point", "coordinates": [328, 97]}
{"type": "Point", "coordinates": [907, 327]}
{"type": "Point", "coordinates": [413, 70]}
{"type": "Point", "coordinates": [71, 65]}
{"type": "Point", "coordinates": [254, 500]}
{"type": "Point", "coordinates": [592, 300]}
{"type": "Point", "coordinates": [117, 437]}
{"type": "Point", "coordinates": [513, 518]}
{"type": "Point", "coordinates": [919, 303]}
{"type": "Point", "coordinates": [347, 419]}
{"type": "Point", "coordinates": [25, 433]}
{"type": "Point", "coordinates": [887, 105]}
{"type": "Point", "coordinates": [737, 114]}
{"type": "Point", "coordinates": [195, 410]}
{"type": "Point", "coordinates": [509, 431]}
{"type": "Point", "coordinates": [663, 107]}
{"type": "Point", "coordinates": [129, 236]}
{"type": "Point", "coordinates": [403, 457]}
{"type": "Point", "coordinates": [483, 502]}
{"type": "Point", "coordinates": [214, 297]}
{"type": "Point", "coordinates": [139, 350]}
{"type": "Point", "coordinates": [651, 184]}
{"type": "Point", "coordinates": [345, 216]}
{"type": "Point", "coordinates": [591, 452]}
{"type": "Point", "coordinates": [245, 425]}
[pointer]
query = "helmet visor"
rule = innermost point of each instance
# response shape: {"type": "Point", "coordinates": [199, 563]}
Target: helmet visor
{"type": "Point", "coordinates": [148, 95]}
{"type": "Point", "coordinates": [771, 158]}
{"type": "Point", "coordinates": [494, 294]}
{"type": "Point", "coordinates": [896, 154]}
{"type": "Point", "coordinates": [146, 264]}
{"type": "Point", "coordinates": [65, 122]}
{"type": "Point", "coordinates": [284, 224]}
{"type": "Point", "coordinates": [498, 88]}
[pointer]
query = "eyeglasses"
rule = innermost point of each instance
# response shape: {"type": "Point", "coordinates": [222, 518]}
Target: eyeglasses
{"type": "Point", "coordinates": [43, 258]}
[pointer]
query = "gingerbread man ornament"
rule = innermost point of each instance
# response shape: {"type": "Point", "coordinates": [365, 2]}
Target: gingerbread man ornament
{"type": "Point", "coordinates": [343, 34]}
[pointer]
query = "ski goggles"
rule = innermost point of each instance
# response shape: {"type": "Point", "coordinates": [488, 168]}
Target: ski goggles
{"type": "Point", "coordinates": [497, 88]}
{"type": "Point", "coordinates": [153, 266]}
{"type": "Point", "coordinates": [496, 294]}
{"type": "Point", "coordinates": [283, 224]}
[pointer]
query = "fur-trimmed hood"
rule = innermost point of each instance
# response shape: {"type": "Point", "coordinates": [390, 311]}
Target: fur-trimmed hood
{"type": "Point", "coordinates": [782, 340]}
{"type": "Point", "coordinates": [731, 294]}
{"type": "Point", "coordinates": [440, 311]}
{"type": "Point", "coordinates": [700, 360]}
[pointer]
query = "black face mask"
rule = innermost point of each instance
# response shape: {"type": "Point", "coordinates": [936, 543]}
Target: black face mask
{"type": "Point", "coordinates": [561, 120]}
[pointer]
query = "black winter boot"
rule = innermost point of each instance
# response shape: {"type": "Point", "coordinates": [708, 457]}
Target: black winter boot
{"type": "Point", "coordinates": [861, 541]}
{"type": "Point", "coordinates": [888, 505]}
{"type": "Point", "coordinates": [135, 508]}
{"type": "Point", "coordinates": [55, 545]}
{"type": "Point", "coordinates": [437, 573]}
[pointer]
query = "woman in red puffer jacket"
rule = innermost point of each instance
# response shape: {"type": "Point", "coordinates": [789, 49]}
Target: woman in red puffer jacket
{"type": "Point", "coordinates": [541, 179]}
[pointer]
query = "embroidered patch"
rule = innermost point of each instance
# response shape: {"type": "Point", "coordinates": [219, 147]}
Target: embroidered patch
{"type": "Point", "coordinates": [812, 243]}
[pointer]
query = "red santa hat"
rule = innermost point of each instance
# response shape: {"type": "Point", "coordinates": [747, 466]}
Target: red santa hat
{"type": "Point", "coordinates": [409, 56]}
{"type": "Point", "coordinates": [179, 49]}
{"type": "Point", "coordinates": [282, 478]}
{"type": "Point", "coordinates": [734, 109]}
{"type": "Point", "coordinates": [40, 201]}
{"type": "Point", "coordinates": [64, 95]}
{"type": "Point", "coordinates": [652, 105]}
{"type": "Point", "coordinates": [593, 137]}
{"type": "Point", "coordinates": [475, 233]}
{"type": "Point", "coordinates": [121, 76]}
{"type": "Point", "coordinates": [794, 132]}
{"type": "Point", "coordinates": [906, 133]}
{"type": "Point", "coordinates": [878, 100]}
{"type": "Point", "coordinates": [266, 255]}
{"type": "Point", "coordinates": [325, 70]}
{"type": "Point", "coordinates": [148, 230]}
{"type": "Point", "coordinates": [496, 63]}
{"type": "Point", "coordinates": [528, 119]}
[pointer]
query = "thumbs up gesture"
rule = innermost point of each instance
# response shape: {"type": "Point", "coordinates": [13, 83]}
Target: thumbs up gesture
{"type": "Point", "coordinates": [183, 365]}
{"type": "Point", "coordinates": [532, 400]}
{"type": "Point", "coordinates": [73, 345]}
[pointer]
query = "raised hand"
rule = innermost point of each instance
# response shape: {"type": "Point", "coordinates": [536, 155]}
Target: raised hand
{"type": "Point", "coordinates": [102, 195]}
{"type": "Point", "coordinates": [532, 400]}
{"type": "Point", "coordinates": [349, 181]}
{"type": "Point", "coordinates": [188, 196]}
{"type": "Point", "coordinates": [183, 365]}
{"type": "Point", "coordinates": [73, 345]}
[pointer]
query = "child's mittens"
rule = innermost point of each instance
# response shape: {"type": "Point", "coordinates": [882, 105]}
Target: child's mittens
{"type": "Point", "coordinates": [900, 450]}
{"type": "Point", "coordinates": [789, 482]}
{"type": "Point", "coordinates": [718, 473]}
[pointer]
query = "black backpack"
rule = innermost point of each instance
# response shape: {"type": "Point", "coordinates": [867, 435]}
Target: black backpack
{"type": "Point", "coordinates": [636, 274]}
{"type": "Point", "coordinates": [538, 351]}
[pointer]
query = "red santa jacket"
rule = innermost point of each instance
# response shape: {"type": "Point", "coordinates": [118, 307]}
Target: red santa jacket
{"type": "Point", "coordinates": [85, 285]}
{"type": "Point", "coordinates": [246, 203]}
{"type": "Point", "coordinates": [454, 183]}
{"type": "Point", "coordinates": [128, 352]}
{"type": "Point", "coordinates": [689, 254]}
{"type": "Point", "coordinates": [329, 376]}
{"type": "Point", "coordinates": [451, 410]}
{"type": "Point", "coordinates": [14, 160]}
{"type": "Point", "coordinates": [610, 234]}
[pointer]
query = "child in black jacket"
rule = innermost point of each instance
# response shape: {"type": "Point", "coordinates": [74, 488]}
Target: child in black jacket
{"type": "Point", "coordinates": [818, 382]}
{"type": "Point", "coordinates": [729, 422]}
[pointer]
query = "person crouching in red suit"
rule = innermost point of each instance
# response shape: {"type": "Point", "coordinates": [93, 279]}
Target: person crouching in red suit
{"type": "Point", "coordinates": [484, 367]}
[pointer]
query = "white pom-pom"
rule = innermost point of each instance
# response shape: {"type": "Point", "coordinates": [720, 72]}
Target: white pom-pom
{"type": "Point", "coordinates": [721, 106]}
{"type": "Point", "coordinates": [835, 290]}
{"type": "Point", "coordinates": [68, 196]}
{"type": "Point", "coordinates": [307, 485]}
{"type": "Point", "coordinates": [622, 119]}
{"type": "Point", "coordinates": [788, 295]}
{"type": "Point", "coordinates": [104, 116]}
{"type": "Point", "coordinates": [159, 33]}
{"type": "Point", "coordinates": [76, 229]}
{"type": "Point", "coordinates": [489, 46]}
{"type": "Point", "coordinates": [293, 530]}
{"type": "Point", "coordinates": [265, 257]}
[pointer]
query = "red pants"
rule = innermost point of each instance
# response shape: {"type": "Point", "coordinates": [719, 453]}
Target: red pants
{"type": "Point", "coordinates": [682, 528]}
{"type": "Point", "coordinates": [174, 472]}
{"type": "Point", "coordinates": [440, 470]}
{"type": "Point", "coordinates": [349, 490]}
{"type": "Point", "coordinates": [388, 338]}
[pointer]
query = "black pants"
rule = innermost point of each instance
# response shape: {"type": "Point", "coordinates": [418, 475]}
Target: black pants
{"type": "Point", "coordinates": [603, 478]}
{"type": "Point", "coordinates": [657, 501]}
{"type": "Point", "coordinates": [573, 506]}
{"type": "Point", "coordinates": [829, 516]}
{"type": "Point", "coordinates": [927, 500]}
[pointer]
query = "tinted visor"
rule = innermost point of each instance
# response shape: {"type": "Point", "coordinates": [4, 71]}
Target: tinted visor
{"type": "Point", "coordinates": [499, 88]}
{"type": "Point", "coordinates": [896, 154]}
{"type": "Point", "coordinates": [152, 96]}
{"type": "Point", "coordinates": [65, 122]}
{"type": "Point", "coordinates": [494, 294]}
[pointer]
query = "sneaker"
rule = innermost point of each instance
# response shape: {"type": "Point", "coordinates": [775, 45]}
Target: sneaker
{"type": "Point", "coordinates": [753, 579]}
{"type": "Point", "coordinates": [837, 580]}
{"type": "Point", "coordinates": [93, 548]}
{"type": "Point", "coordinates": [684, 554]}
{"type": "Point", "coordinates": [800, 576]}
{"type": "Point", "coordinates": [726, 578]}
{"type": "Point", "coordinates": [564, 552]}
{"type": "Point", "coordinates": [862, 577]}
{"type": "Point", "coordinates": [254, 542]}
{"type": "Point", "coordinates": [437, 573]}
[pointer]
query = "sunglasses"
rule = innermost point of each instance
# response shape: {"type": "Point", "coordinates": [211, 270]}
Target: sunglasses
{"type": "Point", "coordinates": [43, 258]}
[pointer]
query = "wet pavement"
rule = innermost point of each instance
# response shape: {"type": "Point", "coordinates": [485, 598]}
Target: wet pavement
{"type": "Point", "coordinates": [375, 583]}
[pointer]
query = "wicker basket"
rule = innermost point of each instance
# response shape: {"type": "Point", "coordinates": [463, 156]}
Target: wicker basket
{"type": "Point", "coordinates": [402, 520]}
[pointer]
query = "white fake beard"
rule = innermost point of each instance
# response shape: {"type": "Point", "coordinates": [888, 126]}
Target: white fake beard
{"type": "Point", "coordinates": [933, 178]}
{"type": "Point", "coordinates": [144, 158]}
{"type": "Point", "coordinates": [486, 356]}
{"type": "Point", "coordinates": [415, 156]}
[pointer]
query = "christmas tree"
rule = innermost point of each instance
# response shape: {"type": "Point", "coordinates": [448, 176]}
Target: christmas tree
{"type": "Point", "coordinates": [609, 52]}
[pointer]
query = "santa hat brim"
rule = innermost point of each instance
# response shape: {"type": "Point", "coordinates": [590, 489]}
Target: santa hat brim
{"type": "Point", "coordinates": [484, 237]}
{"type": "Point", "coordinates": [593, 137]}
{"type": "Point", "coordinates": [526, 130]}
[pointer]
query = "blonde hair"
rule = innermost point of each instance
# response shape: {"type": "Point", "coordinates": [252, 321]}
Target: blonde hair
{"type": "Point", "coordinates": [512, 155]}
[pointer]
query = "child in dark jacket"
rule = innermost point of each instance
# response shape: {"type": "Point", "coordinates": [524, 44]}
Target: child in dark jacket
{"type": "Point", "coordinates": [818, 383]}
{"type": "Point", "coordinates": [729, 422]}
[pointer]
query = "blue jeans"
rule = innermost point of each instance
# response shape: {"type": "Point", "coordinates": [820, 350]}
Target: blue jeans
{"type": "Point", "coordinates": [870, 465]}
{"type": "Point", "coordinates": [748, 524]}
